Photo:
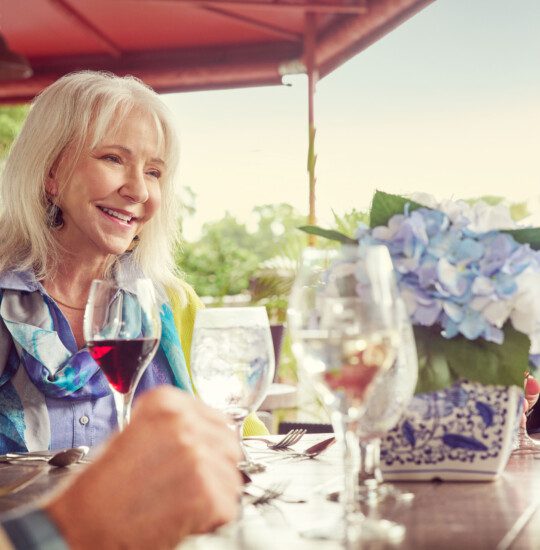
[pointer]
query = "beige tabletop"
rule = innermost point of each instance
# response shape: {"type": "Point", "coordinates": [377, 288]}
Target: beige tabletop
{"type": "Point", "coordinates": [501, 514]}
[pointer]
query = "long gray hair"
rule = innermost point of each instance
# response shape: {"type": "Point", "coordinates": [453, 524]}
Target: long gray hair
{"type": "Point", "coordinates": [80, 108]}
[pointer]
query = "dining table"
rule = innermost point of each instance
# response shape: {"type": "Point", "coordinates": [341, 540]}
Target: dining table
{"type": "Point", "coordinates": [499, 514]}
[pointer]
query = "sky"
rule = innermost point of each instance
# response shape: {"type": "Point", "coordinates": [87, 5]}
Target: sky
{"type": "Point", "coordinates": [448, 103]}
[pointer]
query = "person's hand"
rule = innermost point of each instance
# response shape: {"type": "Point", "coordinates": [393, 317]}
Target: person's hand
{"type": "Point", "coordinates": [532, 391]}
{"type": "Point", "coordinates": [171, 473]}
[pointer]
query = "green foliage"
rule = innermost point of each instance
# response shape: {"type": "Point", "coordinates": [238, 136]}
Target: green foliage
{"type": "Point", "coordinates": [277, 231]}
{"type": "Point", "coordinates": [11, 120]}
{"type": "Point", "coordinates": [530, 235]}
{"type": "Point", "coordinates": [221, 262]}
{"type": "Point", "coordinates": [227, 257]}
{"type": "Point", "coordinates": [441, 362]}
{"type": "Point", "coordinates": [385, 205]}
{"type": "Point", "coordinates": [327, 234]}
{"type": "Point", "coordinates": [518, 210]}
{"type": "Point", "coordinates": [348, 223]}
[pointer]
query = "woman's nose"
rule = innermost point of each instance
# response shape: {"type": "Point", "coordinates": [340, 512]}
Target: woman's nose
{"type": "Point", "coordinates": [135, 188]}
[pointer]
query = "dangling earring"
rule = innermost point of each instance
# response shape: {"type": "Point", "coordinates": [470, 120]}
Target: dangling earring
{"type": "Point", "coordinates": [133, 244]}
{"type": "Point", "coordinates": [54, 216]}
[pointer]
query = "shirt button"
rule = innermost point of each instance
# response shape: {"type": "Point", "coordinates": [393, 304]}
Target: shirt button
{"type": "Point", "coordinates": [84, 420]}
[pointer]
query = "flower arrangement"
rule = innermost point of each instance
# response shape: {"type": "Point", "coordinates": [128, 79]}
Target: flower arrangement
{"type": "Point", "coordinates": [472, 288]}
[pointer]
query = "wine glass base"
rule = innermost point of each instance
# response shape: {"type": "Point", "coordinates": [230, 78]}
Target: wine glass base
{"type": "Point", "coordinates": [380, 531]}
{"type": "Point", "coordinates": [359, 530]}
{"type": "Point", "coordinates": [371, 496]}
{"type": "Point", "coordinates": [524, 444]}
{"type": "Point", "coordinates": [383, 492]}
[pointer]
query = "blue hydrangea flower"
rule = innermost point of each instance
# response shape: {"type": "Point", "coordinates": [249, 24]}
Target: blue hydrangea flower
{"type": "Point", "coordinates": [463, 281]}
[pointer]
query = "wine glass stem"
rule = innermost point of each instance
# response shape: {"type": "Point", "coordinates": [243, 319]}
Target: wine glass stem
{"type": "Point", "coordinates": [239, 429]}
{"type": "Point", "coordinates": [370, 475]}
{"type": "Point", "coordinates": [351, 462]}
{"type": "Point", "coordinates": [123, 408]}
{"type": "Point", "coordinates": [370, 459]}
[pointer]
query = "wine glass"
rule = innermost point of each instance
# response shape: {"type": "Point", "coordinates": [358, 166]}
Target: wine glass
{"type": "Point", "coordinates": [232, 364]}
{"type": "Point", "coordinates": [122, 328]}
{"type": "Point", "coordinates": [391, 395]}
{"type": "Point", "coordinates": [342, 320]}
{"type": "Point", "coordinates": [523, 443]}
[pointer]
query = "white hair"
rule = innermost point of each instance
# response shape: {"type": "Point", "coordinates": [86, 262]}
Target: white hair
{"type": "Point", "coordinates": [80, 108]}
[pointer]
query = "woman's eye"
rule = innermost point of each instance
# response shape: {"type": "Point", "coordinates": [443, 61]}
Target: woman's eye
{"type": "Point", "coordinates": [154, 173]}
{"type": "Point", "coordinates": [112, 158]}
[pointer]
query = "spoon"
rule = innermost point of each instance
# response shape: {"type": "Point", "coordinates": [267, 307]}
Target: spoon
{"type": "Point", "coordinates": [60, 459]}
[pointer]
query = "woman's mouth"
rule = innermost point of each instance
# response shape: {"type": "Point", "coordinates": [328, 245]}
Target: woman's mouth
{"type": "Point", "coordinates": [117, 216]}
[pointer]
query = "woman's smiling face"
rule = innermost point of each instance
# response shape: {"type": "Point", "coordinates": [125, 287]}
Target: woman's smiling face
{"type": "Point", "coordinates": [113, 189]}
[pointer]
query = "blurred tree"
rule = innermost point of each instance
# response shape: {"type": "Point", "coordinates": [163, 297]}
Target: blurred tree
{"type": "Point", "coordinates": [277, 230]}
{"type": "Point", "coordinates": [226, 256]}
{"type": "Point", "coordinates": [222, 260]}
{"type": "Point", "coordinates": [11, 119]}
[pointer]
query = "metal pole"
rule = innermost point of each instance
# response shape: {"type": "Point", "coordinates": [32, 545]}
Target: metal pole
{"type": "Point", "coordinates": [313, 76]}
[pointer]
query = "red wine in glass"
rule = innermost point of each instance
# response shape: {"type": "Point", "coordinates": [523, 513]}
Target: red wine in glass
{"type": "Point", "coordinates": [122, 361]}
{"type": "Point", "coordinates": [122, 327]}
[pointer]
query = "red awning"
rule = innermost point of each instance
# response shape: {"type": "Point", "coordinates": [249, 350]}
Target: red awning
{"type": "Point", "coordinates": [180, 45]}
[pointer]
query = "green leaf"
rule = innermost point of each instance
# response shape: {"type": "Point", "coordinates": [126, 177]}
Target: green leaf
{"type": "Point", "coordinates": [527, 235]}
{"type": "Point", "coordinates": [433, 370]}
{"type": "Point", "coordinates": [385, 205]}
{"type": "Point", "coordinates": [442, 362]}
{"type": "Point", "coordinates": [327, 234]}
{"type": "Point", "coordinates": [519, 211]}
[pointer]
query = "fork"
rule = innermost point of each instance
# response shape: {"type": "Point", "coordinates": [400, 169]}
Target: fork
{"type": "Point", "coordinates": [263, 495]}
{"type": "Point", "coordinates": [310, 452]}
{"type": "Point", "coordinates": [290, 438]}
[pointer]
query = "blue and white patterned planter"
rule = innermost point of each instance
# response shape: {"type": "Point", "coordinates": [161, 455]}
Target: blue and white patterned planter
{"type": "Point", "coordinates": [464, 432]}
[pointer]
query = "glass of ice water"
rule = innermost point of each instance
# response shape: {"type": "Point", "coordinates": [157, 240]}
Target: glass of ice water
{"type": "Point", "coordinates": [232, 362]}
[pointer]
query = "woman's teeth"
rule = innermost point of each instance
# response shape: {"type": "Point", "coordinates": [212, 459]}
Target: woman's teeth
{"type": "Point", "coordinates": [115, 214]}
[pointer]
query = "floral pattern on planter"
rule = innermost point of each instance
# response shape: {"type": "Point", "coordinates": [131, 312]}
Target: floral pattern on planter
{"type": "Point", "coordinates": [462, 432]}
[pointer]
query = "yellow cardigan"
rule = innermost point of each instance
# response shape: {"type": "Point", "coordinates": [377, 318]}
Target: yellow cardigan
{"type": "Point", "coordinates": [184, 320]}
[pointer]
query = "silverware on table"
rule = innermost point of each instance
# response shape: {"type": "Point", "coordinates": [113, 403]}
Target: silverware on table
{"type": "Point", "coordinates": [290, 438]}
{"type": "Point", "coordinates": [257, 495]}
{"type": "Point", "coordinates": [310, 452]}
{"type": "Point", "coordinates": [317, 449]}
{"type": "Point", "coordinates": [61, 458]}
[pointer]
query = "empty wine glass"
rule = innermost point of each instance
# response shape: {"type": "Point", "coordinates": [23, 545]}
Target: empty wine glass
{"type": "Point", "coordinates": [391, 395]}
{"type": "Point", "coordinates": [122, 328]}
{"type": "Point", "coordinates": [523, 443]}
{"type": "Point", "coordinates": [344, 332]}
{"type": "Point", "coordinates": [232, 363]}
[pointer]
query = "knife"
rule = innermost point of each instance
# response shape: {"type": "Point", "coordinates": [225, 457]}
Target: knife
{"type": "Point", "coordinates": [34, 455]}
{"type": "Point", "coordinates": [318, 448]}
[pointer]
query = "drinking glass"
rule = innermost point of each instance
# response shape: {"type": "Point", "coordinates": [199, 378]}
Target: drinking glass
{"type": "Point", "coordinates": [523, 443]}
{"type": "Point", "coordinates": [391, 395]}
{"type": "Point", "coordinates": [122, 328]}
{"type": "Point", "coordinates": [343, 327]}
{"type": "Point", "coordinates": [232, 363]}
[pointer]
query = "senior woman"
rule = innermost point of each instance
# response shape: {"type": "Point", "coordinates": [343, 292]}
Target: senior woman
{"type": "Point", "coordinates": [87, 192]}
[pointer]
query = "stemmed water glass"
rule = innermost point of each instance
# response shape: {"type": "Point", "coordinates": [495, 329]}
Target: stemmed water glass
{"type": "Point", "coordinates": [391, 395]}
{"type": "Point", "coordinates": [342, 320]}
{"type": "Point", "coordinates": [523, 443]}
{"type": "Point", "coordinates": [232, 364]}
{"type": "Point", "coordinates": [122, 328]}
